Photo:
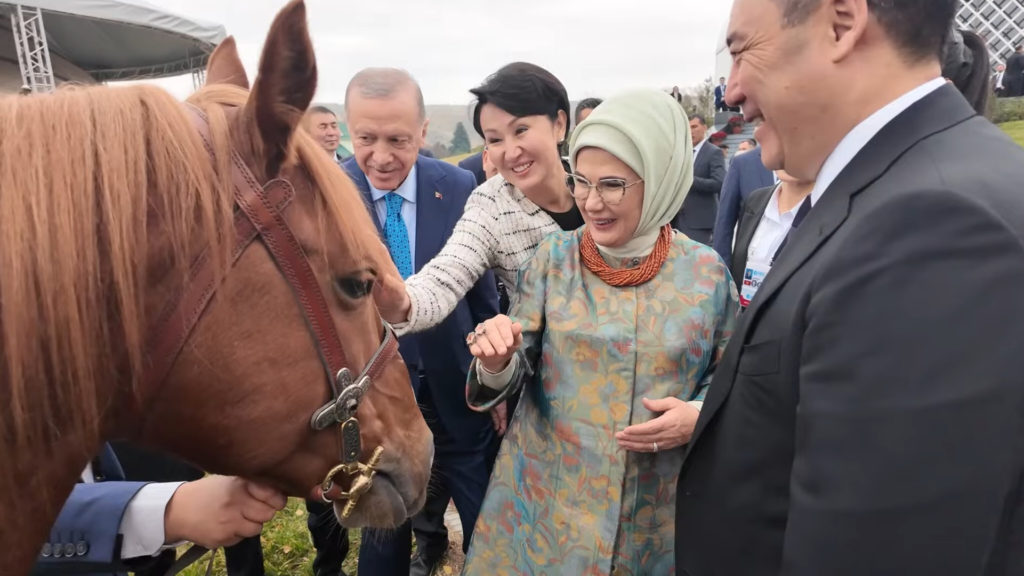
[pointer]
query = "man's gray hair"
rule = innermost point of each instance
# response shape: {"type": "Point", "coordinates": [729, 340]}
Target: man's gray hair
{"type": "Point", "coordinates": [376, 83]}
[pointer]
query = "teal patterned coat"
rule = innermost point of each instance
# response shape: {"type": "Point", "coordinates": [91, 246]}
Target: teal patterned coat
{"type": "Point", "coordinates": [564, 498]}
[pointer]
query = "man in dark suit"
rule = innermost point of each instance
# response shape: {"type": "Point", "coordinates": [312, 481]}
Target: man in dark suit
{"type": "Point", "coordinates": [475, 165]}
{"type": "Point", "coordinates": [868, 414]}
{"type": "Point", "coordinates": [697, 217]}
{"type": "Point", "coordinates": [746, 174]}
{"type": "Point", "coordinates": [1013, 77]}
{"type": "Point", "coordinates": [720, 105]}
{"type": "Point", "coordinates": [751, 210]}
{"type": "Point", "coordinates": [416, 202]}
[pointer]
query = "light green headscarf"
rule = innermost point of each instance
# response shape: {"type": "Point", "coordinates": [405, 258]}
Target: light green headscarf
{"type": "Point", "coordinates": [650, 132]}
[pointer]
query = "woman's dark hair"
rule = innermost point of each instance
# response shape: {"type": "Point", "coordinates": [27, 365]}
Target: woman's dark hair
{"type": "Point", "coordinates": [522, 89]}
{"type": "Point", "coordinates": [965, 61]}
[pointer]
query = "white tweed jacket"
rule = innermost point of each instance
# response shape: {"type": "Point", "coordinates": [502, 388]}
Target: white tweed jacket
{"type": "Point", "coordinates": [499, 230]}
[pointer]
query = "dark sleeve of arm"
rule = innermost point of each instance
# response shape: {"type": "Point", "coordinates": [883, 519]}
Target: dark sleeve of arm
{"type": "Point", "coordinates": [712, 185]}
{"type": "Point", "coordinates": [728, 213]}
{"type": "Point", "coordinates": [89, 522]}
{"type": "Point", "coordinates": [483, 296]}
{"type": "Point", "coordinates": [908, 433]}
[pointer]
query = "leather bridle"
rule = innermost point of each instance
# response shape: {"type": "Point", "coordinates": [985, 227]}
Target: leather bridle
{"type": "Point", "coordinates": [259, 215]}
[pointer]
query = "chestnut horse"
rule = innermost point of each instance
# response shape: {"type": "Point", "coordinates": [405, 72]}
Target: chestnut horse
{"type": "Point", "coordinates": [115, 202]}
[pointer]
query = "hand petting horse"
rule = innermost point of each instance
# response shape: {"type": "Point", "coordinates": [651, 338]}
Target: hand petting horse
{"type": "Point", "coordinates": [198, 278]}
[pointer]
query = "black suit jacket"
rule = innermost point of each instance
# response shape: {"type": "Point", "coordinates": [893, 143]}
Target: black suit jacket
{"type": "Point", "coordinates": [1013, 77]}
{"type": "Point", "coordinates": [867, 417]}
{"type": "Point", "coordinates": [750, 216]}
{"type": "Point", "coordinates": [701, 204]}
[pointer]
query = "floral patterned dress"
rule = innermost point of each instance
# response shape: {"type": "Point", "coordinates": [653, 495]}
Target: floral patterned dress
{"type": "Point", "coordinates": [563, 497]}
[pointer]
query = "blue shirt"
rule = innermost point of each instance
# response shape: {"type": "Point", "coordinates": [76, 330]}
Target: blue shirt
{"type": "Point", "coordinates": [408, 193]}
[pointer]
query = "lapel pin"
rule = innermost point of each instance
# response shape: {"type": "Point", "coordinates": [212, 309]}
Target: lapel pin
{"type": "Point", "coordinates": [438, 195]}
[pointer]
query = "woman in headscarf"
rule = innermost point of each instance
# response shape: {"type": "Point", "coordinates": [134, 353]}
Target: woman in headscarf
{"type": "Point", "coordinates": [616, 332]}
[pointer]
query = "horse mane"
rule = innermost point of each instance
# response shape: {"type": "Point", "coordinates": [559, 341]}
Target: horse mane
{"type": "Point", "coordinates": [90, 180]}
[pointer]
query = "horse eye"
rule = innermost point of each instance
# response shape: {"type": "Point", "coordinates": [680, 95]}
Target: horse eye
{"type": "Point", "coordinates": [354, 287]}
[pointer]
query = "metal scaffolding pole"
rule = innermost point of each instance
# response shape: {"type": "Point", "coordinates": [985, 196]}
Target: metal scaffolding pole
{"type": "Point", "coordinates": [33, 52]}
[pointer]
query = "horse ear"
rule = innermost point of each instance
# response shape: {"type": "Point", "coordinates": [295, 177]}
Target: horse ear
{"type": "Point", "coordinates": [285, 84]}
{"type": "Point", "coordinates": [225, 67]}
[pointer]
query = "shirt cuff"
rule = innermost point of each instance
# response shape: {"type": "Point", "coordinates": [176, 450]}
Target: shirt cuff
{"type": "Point", "coordinates": [500, 380]}
{"type": "Point", "coordinates": [142, 525]}
{"type": "Point", "coordinates": [698, 404]}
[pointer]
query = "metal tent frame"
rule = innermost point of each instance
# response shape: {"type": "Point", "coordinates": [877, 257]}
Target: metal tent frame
{"type": "Point", "coordinates": [33, 51]}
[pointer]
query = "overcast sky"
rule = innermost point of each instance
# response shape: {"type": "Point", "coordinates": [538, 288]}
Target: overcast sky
{"type": "Point", "coordinates": [596, 47]}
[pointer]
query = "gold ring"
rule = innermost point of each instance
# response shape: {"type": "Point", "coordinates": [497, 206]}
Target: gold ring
{"type": "Point", "coordinates": [480, 330]}
{"type": "Point", "coordinates": [470, 338]}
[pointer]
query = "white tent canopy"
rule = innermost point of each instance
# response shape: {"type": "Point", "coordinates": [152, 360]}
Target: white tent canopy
{"type": "Point", "coordinates": [119, 39]}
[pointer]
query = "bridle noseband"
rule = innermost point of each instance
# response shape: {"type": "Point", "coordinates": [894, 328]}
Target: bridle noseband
{"type": "Point", "coordinates": [260, 214]}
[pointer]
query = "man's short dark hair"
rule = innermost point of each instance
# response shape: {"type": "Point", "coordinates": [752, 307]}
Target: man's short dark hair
{"type": "Point", "coordinates": [586, 104]}
{"type": "Point", "coordinates": [918, 27]}
{"type": "Point", "coordinates": [701, 118]}
{"type": "Point", "coordinates": [1018, 48]}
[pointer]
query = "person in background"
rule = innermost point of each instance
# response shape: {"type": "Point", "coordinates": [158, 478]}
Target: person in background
{"type": "Point", "coordinates": [965, 63]}
{"type": "Point", "coordinates": [697, 217]}
{"type": "Point", "coordinates": [746, 174]}
{"type": "Point", "coordinates": [720, 105]}
{"type": "Point", "coordinates": [745, 146]}
{"type": "Point", "coordinates": [322, 125]}
{"type": "Point", "coordinates": [584, 108]}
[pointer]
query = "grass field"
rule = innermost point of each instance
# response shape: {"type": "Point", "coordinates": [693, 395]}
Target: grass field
{"type": "Point", "coordinates": [1015, 130]}
{"type": "Point", "coordinates": [288, 549]}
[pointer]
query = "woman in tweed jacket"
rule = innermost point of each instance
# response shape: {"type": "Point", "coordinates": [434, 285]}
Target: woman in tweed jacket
{"type": "Point", "coordinates": [522, 113]}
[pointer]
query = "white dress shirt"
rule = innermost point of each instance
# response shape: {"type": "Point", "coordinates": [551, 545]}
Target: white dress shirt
{"type": "Point", "coordinates": [858, 138]}
{"type": "Point", "coordinates": [771, 230]}
{"type": "Point", "coordinates": [142, 525]}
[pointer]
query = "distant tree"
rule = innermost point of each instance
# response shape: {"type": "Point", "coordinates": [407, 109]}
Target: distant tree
{"type": "Point", "coordinates": [440, 150]}
{"type": "Point", "coordinates": [704, 98]}
{"type": "Point", "coordinates": [460, 140]}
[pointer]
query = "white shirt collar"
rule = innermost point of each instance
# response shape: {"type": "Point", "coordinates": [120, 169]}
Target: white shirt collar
{"type": "Point", "coordinates": [696, 149]}
{"type": "Point", "coordinates": [407, 190]}
{"type": "Point", "coordinates": [858, 138]}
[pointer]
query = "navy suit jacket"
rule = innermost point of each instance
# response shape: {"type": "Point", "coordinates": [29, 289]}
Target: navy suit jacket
{"type": "Point", "coordinates": [698, 211]}
{"type": "Point", "coordinates": [475, 164]}
{"type": "Point", "coordinates": [86, 528]}
{"type": "Point", "coordinates": [719, 95]}
{"type": "Point", "coordinates": [441, 194]}
{"type": "Point", "coordinates": [746, 174]}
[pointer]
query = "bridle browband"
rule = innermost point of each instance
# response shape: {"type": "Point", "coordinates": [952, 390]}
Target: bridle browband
{"type": "Point", "coordinates": [260, 214]}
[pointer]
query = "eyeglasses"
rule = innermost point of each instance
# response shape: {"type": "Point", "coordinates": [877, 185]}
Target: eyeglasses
{"type": "Point", "coordinates": [610, 190]}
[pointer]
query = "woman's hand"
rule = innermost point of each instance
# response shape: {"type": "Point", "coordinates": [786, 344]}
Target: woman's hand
{"type": "Point", "coordinates": [499, 416]}
{"type": "Point", "coordinates": [495, 341]}
{"type": "Point", "coordinates": [672, 429]}
{"type": "Point", "coordinates": [391, 298]}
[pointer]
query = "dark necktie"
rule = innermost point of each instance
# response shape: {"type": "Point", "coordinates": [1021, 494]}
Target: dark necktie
{"type": "Point", "coordinates": [801, 213]}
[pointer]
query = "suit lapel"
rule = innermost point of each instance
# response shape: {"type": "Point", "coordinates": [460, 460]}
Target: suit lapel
{"type": "Point", "coordinates": [752, 212]}
{"type": "Point", "coordinates": [935, 113]}
{"type": "Point", "coordinates": [432, 211]}
{"type": "Point", "coordinates": [359, 179]}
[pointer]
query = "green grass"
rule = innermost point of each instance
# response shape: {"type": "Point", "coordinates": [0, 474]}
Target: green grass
{"type": "Point", "coordinates": [1015, 130]}
{"type": "Point", "coordinates": [288, 548]}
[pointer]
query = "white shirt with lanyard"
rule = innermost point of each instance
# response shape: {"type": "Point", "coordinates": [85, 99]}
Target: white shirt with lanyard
{"type": "Point", "coordinates": [769, 239]}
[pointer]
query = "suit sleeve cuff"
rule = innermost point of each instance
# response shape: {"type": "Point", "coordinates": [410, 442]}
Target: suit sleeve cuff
{"type": "Point", "coordinates": [142, 526]}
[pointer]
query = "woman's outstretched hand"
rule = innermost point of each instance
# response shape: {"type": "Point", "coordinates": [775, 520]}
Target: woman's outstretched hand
{"type": "Point", "coordinates": [495, 341]}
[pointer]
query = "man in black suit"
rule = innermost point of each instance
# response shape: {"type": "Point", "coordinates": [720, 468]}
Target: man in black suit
{"type": "Point", "coordinates": [1013, 77]}
{"type": "Point", "coordinates": [867, 417]}
{"type": "Point", "coordinates": [697, 217]}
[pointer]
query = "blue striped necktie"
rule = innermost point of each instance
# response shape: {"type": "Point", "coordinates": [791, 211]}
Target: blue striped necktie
{"type": "Point", "coordinates": [397, 235]}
